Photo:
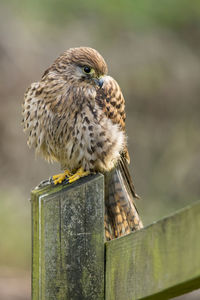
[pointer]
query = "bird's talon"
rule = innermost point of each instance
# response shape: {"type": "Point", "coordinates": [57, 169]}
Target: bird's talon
{"type": "Point", "coordinates": [80, 173]}
{"type": "Point", "coordinates": [66, 181]}
{"type": "Point", "coordinates": [59, 178]}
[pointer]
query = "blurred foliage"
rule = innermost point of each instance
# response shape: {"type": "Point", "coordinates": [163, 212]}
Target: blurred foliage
{"type": "Point", "coordinates": [171, 13]}
{"type": "Point", "coordinates": [14, 230]}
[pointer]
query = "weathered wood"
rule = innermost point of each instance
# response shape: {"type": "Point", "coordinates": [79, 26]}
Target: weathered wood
{"type": "Point", "coordinates": [68, 241]}
{"type": "Point", "coordinates": [158, 262]}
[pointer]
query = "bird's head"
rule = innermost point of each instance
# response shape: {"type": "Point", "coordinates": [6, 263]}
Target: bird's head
{"type": "Point", "coordinates": [81, 64]}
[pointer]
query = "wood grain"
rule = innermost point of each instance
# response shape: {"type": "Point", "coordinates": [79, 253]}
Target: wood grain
{"type": "Point", "coordinates": [68, 241]}
{"type": "Point", "coordinates": [158, 262]}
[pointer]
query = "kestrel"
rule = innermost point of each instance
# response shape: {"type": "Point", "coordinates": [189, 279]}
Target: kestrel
{"type": "Point", "coordinates": [75, 115]}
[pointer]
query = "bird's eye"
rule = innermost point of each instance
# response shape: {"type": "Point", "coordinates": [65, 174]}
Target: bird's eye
{"type": "Point", "coordinates": [87, 69]}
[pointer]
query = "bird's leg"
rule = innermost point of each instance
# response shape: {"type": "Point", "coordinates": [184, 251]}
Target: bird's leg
{"type": "Point", "coordinates": [79, 173]}
{"type": "Point", "coordinates": [59, 178]}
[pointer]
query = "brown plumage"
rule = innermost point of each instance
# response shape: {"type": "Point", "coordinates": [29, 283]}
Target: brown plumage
{"type": "Point", "coordinates": [76, 116]}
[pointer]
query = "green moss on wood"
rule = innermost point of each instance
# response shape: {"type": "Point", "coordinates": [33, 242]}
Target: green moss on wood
{"type": "Point", "coordinates": [68, 241]}
{"type": "Point", "coordinates": [159, 262]}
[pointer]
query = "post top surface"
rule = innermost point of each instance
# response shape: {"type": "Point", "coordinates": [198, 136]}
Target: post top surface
{"type": "Point", "coordinates": [45, 187]}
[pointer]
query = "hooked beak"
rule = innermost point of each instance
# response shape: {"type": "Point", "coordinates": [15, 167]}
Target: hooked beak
{"type": "Point", "coordinates": [99, 81]}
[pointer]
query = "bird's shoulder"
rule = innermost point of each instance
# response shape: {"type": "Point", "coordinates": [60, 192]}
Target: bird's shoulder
{"type": "Point", "coordinates": [110, 99]}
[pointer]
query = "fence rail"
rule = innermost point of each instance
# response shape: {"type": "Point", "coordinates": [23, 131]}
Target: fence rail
{"type": "Point", "coordinates": [71, 261]}
{"type": "Point", "coordinates": [160, 261]}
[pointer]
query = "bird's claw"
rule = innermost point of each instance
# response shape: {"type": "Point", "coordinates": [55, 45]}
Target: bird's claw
{"type": "Point", "coordinates": [61, 178]}
{"type": "Point", "coordinates": [67, 177]}
{"type": "Point", "coordinates": [80, 173]}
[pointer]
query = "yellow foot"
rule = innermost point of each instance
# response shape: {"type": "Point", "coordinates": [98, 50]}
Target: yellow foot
{"type": "Point", "coordinates": [79, 173]}
{"type": "Point", "coordinates": [59, 178]}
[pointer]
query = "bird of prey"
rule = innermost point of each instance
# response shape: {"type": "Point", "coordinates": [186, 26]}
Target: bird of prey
{"type": "Point", "coordinates": [75, 115]}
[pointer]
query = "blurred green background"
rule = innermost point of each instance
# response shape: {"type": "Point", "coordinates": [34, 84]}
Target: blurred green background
{"type": "Point", "coordinates": [152, 49]}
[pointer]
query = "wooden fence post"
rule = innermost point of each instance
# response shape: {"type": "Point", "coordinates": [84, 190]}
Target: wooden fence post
{"type": "Point", "coordinates": [68, 241]}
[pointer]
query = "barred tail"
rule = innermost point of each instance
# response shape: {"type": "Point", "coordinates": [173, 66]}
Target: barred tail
{"type": "Point", "coordinates": [121, 215]}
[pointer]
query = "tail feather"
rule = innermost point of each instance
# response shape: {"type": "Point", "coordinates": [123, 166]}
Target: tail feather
{"type": "Point", "coordinates": [121, 215]}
